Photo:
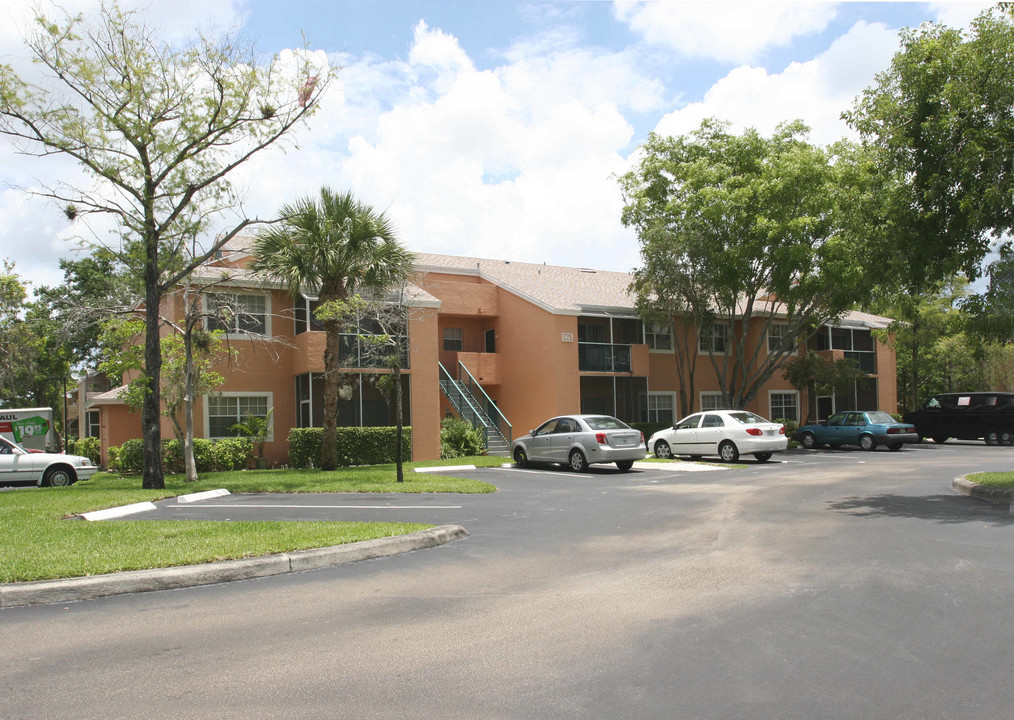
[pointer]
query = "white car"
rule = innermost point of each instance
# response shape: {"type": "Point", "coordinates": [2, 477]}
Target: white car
{"type": "Point", "coordinates": [18, 466]}
{"type": "Point", "coordinates": [726, 433]}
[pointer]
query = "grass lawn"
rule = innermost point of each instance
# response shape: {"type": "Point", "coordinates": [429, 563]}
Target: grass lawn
{"type": "Point", "coordinates": [42, 539]}
{"type": "Point", "coordinates": [994, 479]}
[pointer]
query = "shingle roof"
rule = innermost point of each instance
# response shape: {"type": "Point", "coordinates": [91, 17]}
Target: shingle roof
{"type": "Point", "coordinates": [568, 290]}
{"type": "Point", "coordinates": [563, 290]}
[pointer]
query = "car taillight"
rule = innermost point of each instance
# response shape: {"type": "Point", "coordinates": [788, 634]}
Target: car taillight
{"type": "Point", "coordinates": [642, 437]}
{"type": "Point", "coordinates": [601, 438]}
{"type": "Point", "coordinates": [754, 431]}
{"type": "Point", "coordinates": [894, 431]}
{"type": "Point", "coordinates": [781, 430]}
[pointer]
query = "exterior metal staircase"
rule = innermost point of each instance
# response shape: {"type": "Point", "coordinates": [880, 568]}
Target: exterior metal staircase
{"type": "Point", "coordinates": [473, 404]}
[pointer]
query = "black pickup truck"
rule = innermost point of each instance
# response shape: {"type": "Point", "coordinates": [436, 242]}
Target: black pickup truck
{"type": "Point", "coordinates": [985, 416]}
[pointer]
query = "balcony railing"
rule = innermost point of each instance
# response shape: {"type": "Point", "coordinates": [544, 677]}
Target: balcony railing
{"type": "Point", "coordinates": [356, 352]}
{"type": "Point", "coordinates": [867, 361]}
{"type": "Point", "coordinates": [603, 357]}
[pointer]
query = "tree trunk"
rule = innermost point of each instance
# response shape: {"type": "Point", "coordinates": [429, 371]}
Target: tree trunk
{"type": "Point", "coordinates": [329, 439]}
{"type": "Point", "coordinates": [398, 420]}
{"type": "Point", "coordinates": [151, 421]}
{"type": "Point", "coordinates": [189, 463]}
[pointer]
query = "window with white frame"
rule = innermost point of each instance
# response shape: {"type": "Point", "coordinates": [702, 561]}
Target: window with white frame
{"type": "Point", "coordinates": [238, 314]}
{"type": "Point", "coordinates": [92, 424]}
{"type": "Point", "coordinates": [711, 401]}
{"type": "Point", "coordinates": [453, 339]}
{"type": "Point", "coordinates": [784, 405]}
{"type": "Point", "coordinates": [777, 332]}
{"type": "Point", "coordinates": [662, 407]}
{"type": "Point", "coordinates": [713, 338]}
{"type": "Point", "coordinates": [226, 409]}
{"type": "Point", "coordinates": [658, 337]}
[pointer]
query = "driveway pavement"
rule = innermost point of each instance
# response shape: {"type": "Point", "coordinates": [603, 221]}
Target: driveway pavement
{"type": "Point", "coordinates": [834, 585]}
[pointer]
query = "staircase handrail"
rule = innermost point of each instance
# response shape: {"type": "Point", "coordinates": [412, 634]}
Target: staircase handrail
{"type": "Point", "coordinates": [489, 404]}
{"type": "Point", "coordinates": [454, 383]}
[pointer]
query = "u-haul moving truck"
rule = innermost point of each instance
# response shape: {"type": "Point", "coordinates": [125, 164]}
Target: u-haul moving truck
{"type": "Point", "coordinates": [31, 428]}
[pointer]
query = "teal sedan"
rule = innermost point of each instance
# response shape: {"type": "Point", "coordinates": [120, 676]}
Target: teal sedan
{"type": "Point", "coordinates": [865, 428]}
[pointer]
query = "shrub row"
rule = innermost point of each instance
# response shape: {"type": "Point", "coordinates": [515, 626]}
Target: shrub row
{"type": "Point", "coordinates": [90, 447]}
{"type": "Point", "coordinates": [209, 455]}
{"type": "Point", "coordinates": [356, 446]}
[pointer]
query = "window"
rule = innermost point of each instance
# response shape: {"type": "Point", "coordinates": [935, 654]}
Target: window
{"type": "Point", "coordinates": [712, 421]}
{"type": "Point", "coordinates": [711, 401]}
{"type": "Point", "coordinates": [776, 336]}
{"type": "Point", "coordinates": [225, 410]}
{"type": "Point", "coordinates": [238, 314]}
{"type": "Point", "coordinates": [661, 407]}
{"type": "Point", "coordinates": [658, 337]}
{"type": "Point", "coordinates": [453, 339]}
{"type": "Point", "coordinates": [92, 423]}
{"type": "Point", "coordinates": [713, 338]}
{"type": "Point", "coordinates": [303, 315]}
{"type": "Point", "coordinates": [785, 405]}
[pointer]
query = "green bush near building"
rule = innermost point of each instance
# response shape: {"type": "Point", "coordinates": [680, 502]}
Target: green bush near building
{"type": "Point", "coordinates": [460, 438]}
{"type": "Point", "coordinates": [356, 446]}
{"type": "Point", "coordinates": [209, 455]}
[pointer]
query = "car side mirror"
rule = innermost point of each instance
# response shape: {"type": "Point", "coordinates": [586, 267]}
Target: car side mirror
{"type": "Point", "coordinates": [533, 433]}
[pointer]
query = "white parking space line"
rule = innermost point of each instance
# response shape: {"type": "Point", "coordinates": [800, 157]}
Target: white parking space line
{"type": "Point", "coordinates": [322, 507]}
{"type": "Point", "coordinates": [554, 473]}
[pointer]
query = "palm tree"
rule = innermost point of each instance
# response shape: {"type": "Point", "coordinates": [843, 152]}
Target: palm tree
{"type": "Point", "coordinates": [337, 246]}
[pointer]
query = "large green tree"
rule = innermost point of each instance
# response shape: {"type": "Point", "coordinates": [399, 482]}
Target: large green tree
{"type": "Point", "coordinates": [745, 232]}
{"type": "Point", "coordinates": [940, 123]}
{"type": "Point", "coordinates": [158, 127]}
{"type": "Point", "coordinates": [331, 246]}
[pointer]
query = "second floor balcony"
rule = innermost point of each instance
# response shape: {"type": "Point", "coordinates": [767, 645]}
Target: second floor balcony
{"type": "Point", "coordinates": [603, 357]}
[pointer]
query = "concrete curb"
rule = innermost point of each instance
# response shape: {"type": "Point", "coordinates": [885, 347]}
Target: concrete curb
{"type": "Point", "coordinates": [135, 581]}
{"type": "Point", "coordinates": [984, 492]}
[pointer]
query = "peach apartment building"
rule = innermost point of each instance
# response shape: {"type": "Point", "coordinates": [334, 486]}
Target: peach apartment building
{"type": "Point", "coordinates": [505, 344]}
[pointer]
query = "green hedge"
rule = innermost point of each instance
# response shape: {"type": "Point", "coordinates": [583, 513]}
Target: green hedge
{"type": "Point", "coordinates": [209, 455]}
{"type": "Point", "coordinates": [90, 447]}
{"type": "Point", "coordinates": [459, 438]}
{"type": "Point", "coordinates": [356, 446]}
{"type": "Point", "coordinates": [649, 428]}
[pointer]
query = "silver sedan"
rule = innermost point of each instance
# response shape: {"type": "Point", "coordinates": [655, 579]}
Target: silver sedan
{"type": "Point", "coordinates": [578, 441]}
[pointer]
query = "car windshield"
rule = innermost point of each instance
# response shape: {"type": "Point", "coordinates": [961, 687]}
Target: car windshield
{"type": "Point", "coordinates": [605, 423]}
{"type": "Point", "coordinates": [747, 418]}
{"type": "Point", "coordinates": [880, 417]}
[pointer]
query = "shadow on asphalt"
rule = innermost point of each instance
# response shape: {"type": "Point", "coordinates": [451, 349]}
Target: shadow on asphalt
{"type": "Point", "coordinates": [938, 508]}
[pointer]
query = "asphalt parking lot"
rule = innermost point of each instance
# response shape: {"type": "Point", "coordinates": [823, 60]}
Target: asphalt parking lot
{"type": "Point", "coordinates": [831, 584]}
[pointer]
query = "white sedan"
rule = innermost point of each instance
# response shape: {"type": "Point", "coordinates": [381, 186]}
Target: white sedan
{"type": "Point", "coordinates": [18, 466]}
{"type": "Point", "coordinates": [726, 433]}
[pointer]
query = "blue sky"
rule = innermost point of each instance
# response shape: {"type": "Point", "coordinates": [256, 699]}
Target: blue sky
{"type": "Point", "coordinates": [495, 129]}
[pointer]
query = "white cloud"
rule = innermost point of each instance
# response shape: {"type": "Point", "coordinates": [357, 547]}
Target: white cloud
{"type": "Point", "coordinates": [512, 162]}
{"type": "Point", "coordinates": [733, 32]}
{"type": "Point", "coordinates": [817, 91]}
{"type": "Point", "coordinates": [958, 14]}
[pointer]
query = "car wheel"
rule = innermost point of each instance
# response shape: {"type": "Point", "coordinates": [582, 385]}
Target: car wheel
{"type": "Point", "coordinates": [624, 465]}
{"type": "Point", "coordinates": [1007, 437]}
{"type": "Point", "coordinates": [762, 457]}
{"type": "Point", "coordinates": [728, 452]}
{"type": "Point", "coordinates": [58, 477]}
{"type": "Point", "coordinates": [939, 439]}
{"type": "Point", "coordinates": [866, 442]}
{"type": "Point", "coordinates": [894, 447]}
{"type": "Point", "coordinates": [809, 441]}
{"type": "Point", "coordinates": [662, 450]}
{"type": "Point", "coordinates": [992, 437]}
{"type": "Point", "coordinates": [520, 457]}
{"type": "Point", "coordinates": [578, 462]}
